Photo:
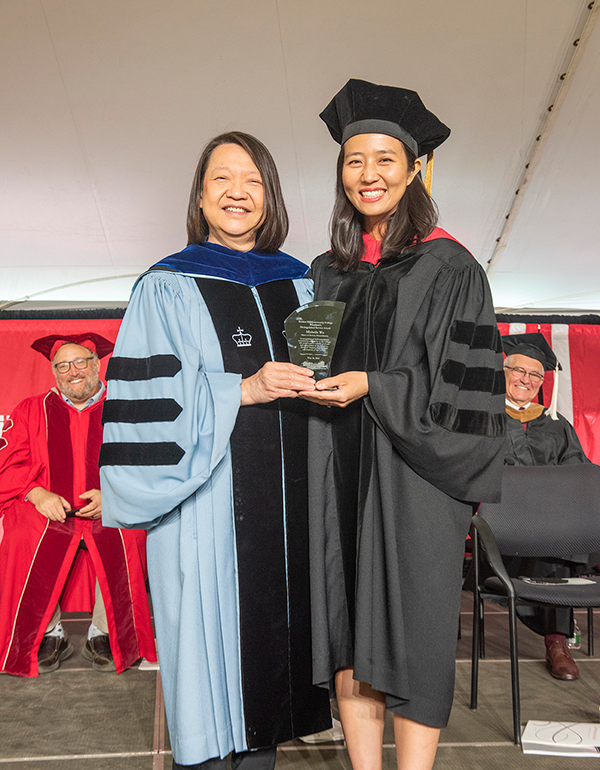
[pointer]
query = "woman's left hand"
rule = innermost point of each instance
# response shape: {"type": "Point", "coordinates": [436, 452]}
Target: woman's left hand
{"type": "Point", "coordinates": [349, 387]}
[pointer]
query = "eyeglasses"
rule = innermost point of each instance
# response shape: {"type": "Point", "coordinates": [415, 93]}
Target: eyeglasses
{"type": "Point", "coordinates": [535, 376]}
{"type": "Point", "coordinates": [78, 363]}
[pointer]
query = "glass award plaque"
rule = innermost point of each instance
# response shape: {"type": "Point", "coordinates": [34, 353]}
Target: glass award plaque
{"type": "Point", "coordinates": [312, 332]}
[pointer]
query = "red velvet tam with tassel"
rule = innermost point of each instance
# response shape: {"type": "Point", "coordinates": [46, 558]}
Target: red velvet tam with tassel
{"type": "Point", "coordinates": [96, 343]}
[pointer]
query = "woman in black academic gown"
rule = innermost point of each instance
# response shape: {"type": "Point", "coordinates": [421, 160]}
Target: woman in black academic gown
{"type": "Point", "coordinates": [417, 442]}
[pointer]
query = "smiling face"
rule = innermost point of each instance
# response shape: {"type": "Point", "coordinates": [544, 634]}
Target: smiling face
{"type": "Point", "coordinates": [232, 198]}
{"type": "Point", "coordinates": [78, 385]}
{"type": "Point", "coordinates": [375, 176]}
{"type": "Point", "coordinates": [522, 388]}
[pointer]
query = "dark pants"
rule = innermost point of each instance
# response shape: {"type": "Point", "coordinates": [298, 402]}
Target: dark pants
{"type": "Point", "coordinates": [260, 759]}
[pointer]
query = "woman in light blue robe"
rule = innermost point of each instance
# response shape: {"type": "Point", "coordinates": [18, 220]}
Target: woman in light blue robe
{"type": "Point", "coordinates": [205, 446]}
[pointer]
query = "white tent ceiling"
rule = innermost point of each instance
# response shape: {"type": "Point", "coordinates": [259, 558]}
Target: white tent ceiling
{"type": "Point", "coordinates": [107, 103]}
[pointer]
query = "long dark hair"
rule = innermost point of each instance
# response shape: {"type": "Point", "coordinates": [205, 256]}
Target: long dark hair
{"type": "Point", "coordinates": [413, 220]}
{"type": "Point", "coordinates": [274, 228]}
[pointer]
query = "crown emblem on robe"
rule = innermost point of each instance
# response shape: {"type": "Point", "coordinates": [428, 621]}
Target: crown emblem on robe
{"type": "Point", "coordinates": [241, 339]}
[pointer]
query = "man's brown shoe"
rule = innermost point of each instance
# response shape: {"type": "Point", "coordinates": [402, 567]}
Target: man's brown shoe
{"type": "Point", "coordinates": [97, 649]}
{"type": "Point", "coordinates": [558, 658]}
{"type": "Point", "coordinates": [52, 650]}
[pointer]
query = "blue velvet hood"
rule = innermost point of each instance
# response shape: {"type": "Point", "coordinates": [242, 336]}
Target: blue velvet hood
{"type": "Point", "coordinates": [250, 268]}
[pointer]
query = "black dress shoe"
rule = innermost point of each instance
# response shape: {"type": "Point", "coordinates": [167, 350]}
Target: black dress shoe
{"type": "Point", "coordinates": [52, 650]}
{"type": "Point", "coordinates": [97, 649]}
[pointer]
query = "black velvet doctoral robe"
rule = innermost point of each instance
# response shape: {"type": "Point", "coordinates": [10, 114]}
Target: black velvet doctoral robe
{"type": "Point", "coordinates": [395, 476]}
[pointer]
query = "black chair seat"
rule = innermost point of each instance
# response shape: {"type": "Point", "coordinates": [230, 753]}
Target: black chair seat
{"type": "Point", "coordinates": [555, 595]}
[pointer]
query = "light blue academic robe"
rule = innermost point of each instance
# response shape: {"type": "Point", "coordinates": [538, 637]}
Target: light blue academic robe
{"type": "Point", "coordinates": [187, 506]}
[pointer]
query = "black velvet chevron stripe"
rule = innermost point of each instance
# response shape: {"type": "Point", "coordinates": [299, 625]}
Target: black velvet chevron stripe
{"type": "Point", "coordinates": [139, 453]}
{"type": "Point", "coordinates": [468, 420]}
{"type": "Point", "coordinates": [499, 383]}
{"type": "Point", "coordinates": [481, 378]}
{"type": "Point", "coordinates": [132, 369]}
{"type": "Point", "coordinates": [476, 337]}
{"type": "Point", "coordinates": [143, 410]}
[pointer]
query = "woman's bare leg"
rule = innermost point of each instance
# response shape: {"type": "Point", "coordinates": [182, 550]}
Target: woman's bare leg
{"type": "Point", "coordinates": [362, 713]}
{"type": "Point", "coordinates": [416, 744]}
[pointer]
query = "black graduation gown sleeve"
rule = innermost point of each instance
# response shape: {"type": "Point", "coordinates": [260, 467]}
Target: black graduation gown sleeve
{"type": "Point", "coordinates": [440, 394]}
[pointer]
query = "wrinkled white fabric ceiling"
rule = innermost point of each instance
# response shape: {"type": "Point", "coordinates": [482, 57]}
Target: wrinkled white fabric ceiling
{"type": "Point", "coordinates": [107, 103]}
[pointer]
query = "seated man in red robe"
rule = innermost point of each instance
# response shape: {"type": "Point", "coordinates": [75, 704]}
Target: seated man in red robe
{"type": "Point", "coordinates": [55, 554]}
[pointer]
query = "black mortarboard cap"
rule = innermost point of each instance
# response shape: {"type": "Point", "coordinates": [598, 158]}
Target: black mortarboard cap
{"type": "Point", "coordinates": [532, 345]}
{"type": "Point", "coordinates": [48, 346]}
{"type": "Point", "coordinates": [366, 108]}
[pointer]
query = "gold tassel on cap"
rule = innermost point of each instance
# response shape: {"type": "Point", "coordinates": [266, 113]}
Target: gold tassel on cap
{"type": "Point", "coordinates": [429, 173]}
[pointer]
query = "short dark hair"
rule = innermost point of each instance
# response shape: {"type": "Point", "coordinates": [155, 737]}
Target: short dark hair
{"type": "Point", "coordinates": [413, 220]}
{"type": "Point", "coordinates": [273, 231]}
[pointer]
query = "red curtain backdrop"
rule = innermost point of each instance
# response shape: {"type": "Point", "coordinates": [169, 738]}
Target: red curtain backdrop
{"type": "Point", "coordinates": [26, 372]}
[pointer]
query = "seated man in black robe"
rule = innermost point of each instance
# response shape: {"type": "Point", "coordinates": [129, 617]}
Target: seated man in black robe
{"type": "Point", "coordinates": [540, 436]}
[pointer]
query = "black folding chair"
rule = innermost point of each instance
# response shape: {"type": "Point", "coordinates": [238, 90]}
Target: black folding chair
{"type": "Point", "coordinates": [548, 511]}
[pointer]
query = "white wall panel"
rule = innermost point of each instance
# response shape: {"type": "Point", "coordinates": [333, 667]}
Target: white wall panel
{"type": "Point", "coordinates": [485, 68]}
{"type": "Point", "coordinates": [106, 105]}
{"type": "Point", "coordinates": [553, 250]}
{"type": "Point", "coordinates": [46, 202]}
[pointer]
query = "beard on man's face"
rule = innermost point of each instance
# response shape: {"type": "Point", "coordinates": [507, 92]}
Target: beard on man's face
{"type": "Point", "coordinates": [82, 391]}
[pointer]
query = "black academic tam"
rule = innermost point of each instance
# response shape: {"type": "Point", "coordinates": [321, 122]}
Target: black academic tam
{"type": "Point", "coordinates": [361, 107]}
{"type": "Point", "coordinates": [532, 345]}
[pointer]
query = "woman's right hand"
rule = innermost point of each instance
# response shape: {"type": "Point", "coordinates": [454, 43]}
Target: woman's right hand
{"type": "Point", "coordinates": [276, 380]}
{"type": "Point", "coordinates": [341, 390]}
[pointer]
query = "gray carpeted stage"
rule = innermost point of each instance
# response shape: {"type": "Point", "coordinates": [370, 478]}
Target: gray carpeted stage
{"type": "Point", "coordinates": [77, 718]}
